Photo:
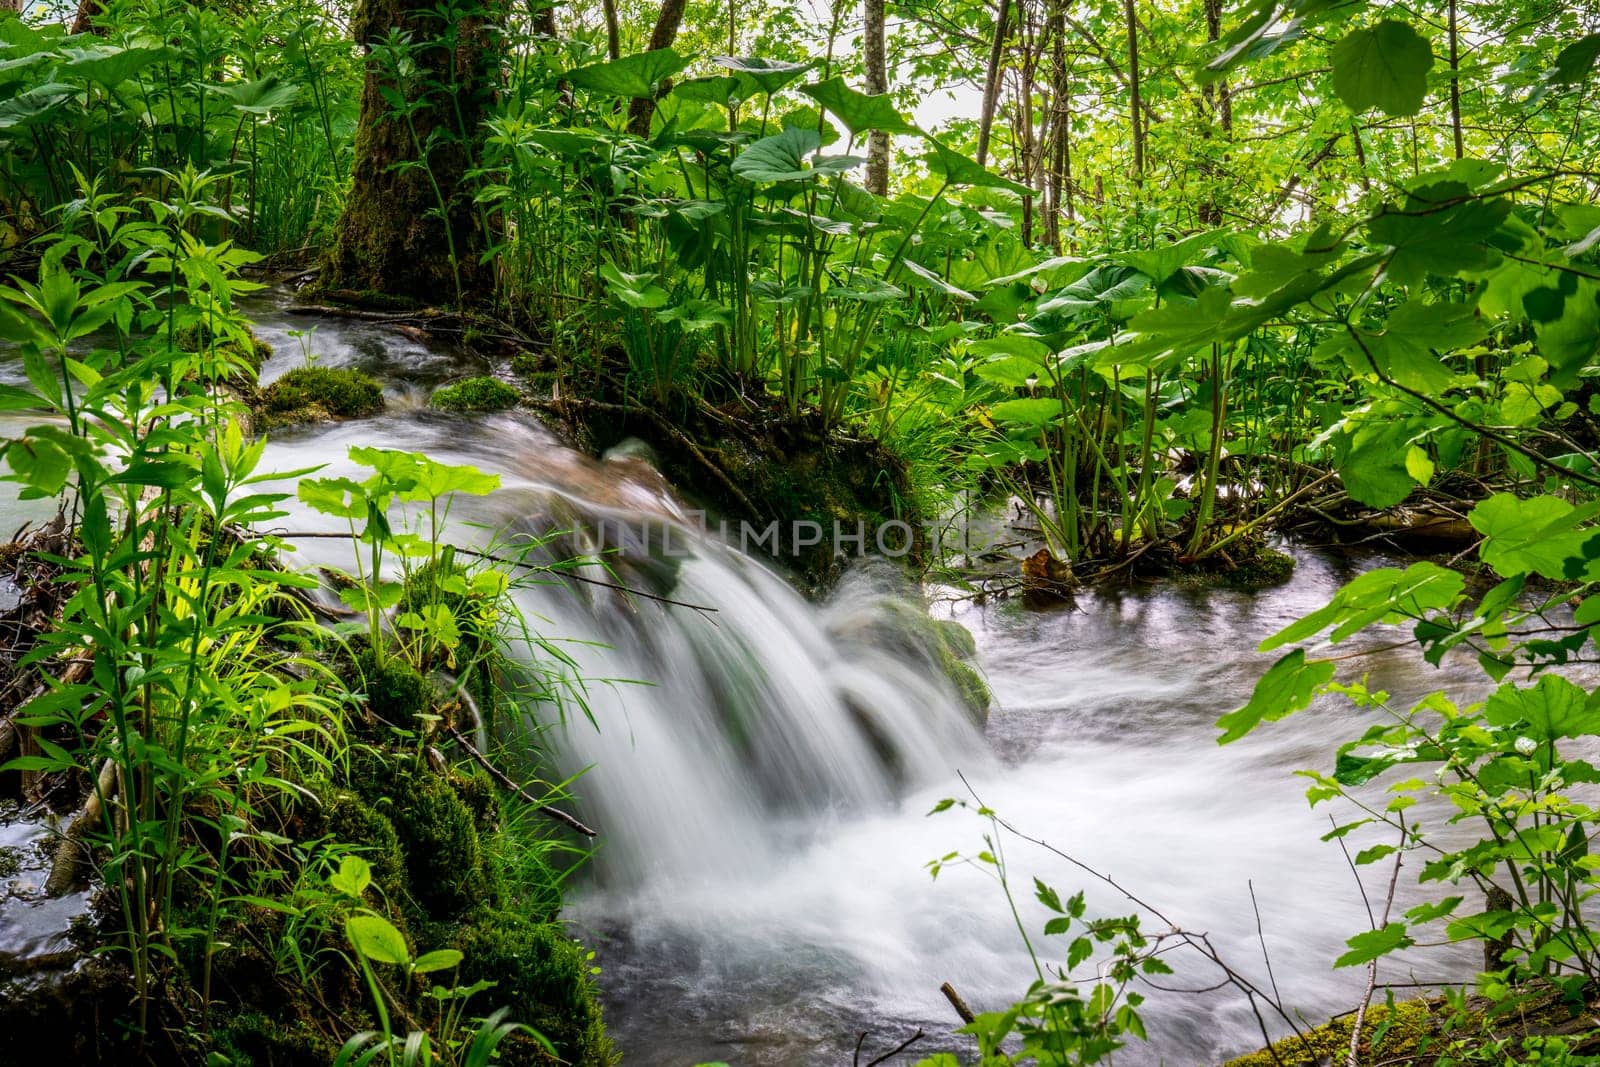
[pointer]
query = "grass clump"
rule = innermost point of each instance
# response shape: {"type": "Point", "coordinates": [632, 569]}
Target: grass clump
{"type": "Point", "coordinates": [314, 394]}
{"type": "Point", "coordinates": [476, 395]}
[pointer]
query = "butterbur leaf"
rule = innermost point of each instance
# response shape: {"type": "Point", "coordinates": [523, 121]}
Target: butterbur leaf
{"type": "Point", "coordinates": [1372, 597]}
{"type": "Point", "coordinates": [858, 111]}
{"type": "Point", "coordinates": [1287, 687]}
{"type": "Point", "coordinates": [959, 170]}
{"type": "Point", "coordinates": [377, 939]}
{"type": "Point", "coordinates": [636, 75]}
{"type": "Point", "coordinates": [780, 158]}
{"type": "Point", "coordinates": [1364, 948]}
{"type": "Point", "coordinates": [1383, 66]}
{"type": "Point", "coordinates": [769, 75]}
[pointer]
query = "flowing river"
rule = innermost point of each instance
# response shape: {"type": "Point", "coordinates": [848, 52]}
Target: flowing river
{"type": "Point", "coordinates": [761, 774]}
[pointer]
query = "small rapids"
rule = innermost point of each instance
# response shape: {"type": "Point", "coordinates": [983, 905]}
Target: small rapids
{"type": "Point", "coordinates": [761, 773]}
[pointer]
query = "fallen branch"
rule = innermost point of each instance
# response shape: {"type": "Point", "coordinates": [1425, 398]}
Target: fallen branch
{"type": "Point", "coordinates": [538, 805]}
{"type": "Point", "coordinates": [957, 1003]}
{"type": "Point", "coordinates": [901, 1047]}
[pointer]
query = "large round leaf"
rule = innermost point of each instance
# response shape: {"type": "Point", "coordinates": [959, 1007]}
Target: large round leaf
{"type": "Point", "coordinates": [1383, 66]}
{"type": "Point", "coordinates": [634, 76]}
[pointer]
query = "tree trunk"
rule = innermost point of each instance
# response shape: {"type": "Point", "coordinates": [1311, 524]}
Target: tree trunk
{"type": "Point", "coordinates": [1133, 89]}
{"type": "Point", "coordinates": [613, 29]}
{"type": "Point", "coordinates": [1061, 128]}
{"type": "Point", "coordinates": [662, 36]}
{"type": "Point", "coordinates": [409, 228]}
{"type": "Point", "coordinates": [82, 22]}
{"type": "Point", "coordinates": [1455, 82]}
{"type": "Point", "coordinates": [991, 82]}
{"type": "Point", "coordinates": [872, 50]}
{"type": "Point", "coordinates": [1220, 104]}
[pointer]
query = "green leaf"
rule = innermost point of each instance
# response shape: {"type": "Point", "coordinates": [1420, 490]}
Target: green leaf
{"type": "Point", "coordinates": [1374, 596]}
{"type": "Point", "coordinates": [1411, 334]}
{"type": "Point", "coordinates": [1442, 228]}
{"type": "Point", "coordinates": [1575, 62]}
{"type": "Point", "coordinates": [376, 938]}
{"type": "Point", "coordinates": [1372, 463]}
{"type": "Point", "coordinates": [353, 877]}
{"type": "Point", "coordinates": [858, 111]}
{"type": "Point", "coordinates": [1364, 948]}
{"type": "Point", "coordinates": [635, 290]}
{"type": "Point", "coordinates": [440, 959]}
{"type": "Point", "coordinates": [1552, 708]}
{"type": "Point", "coordinates": [769, 75]}
{"type": "Point", "coordinates": [780, 158]}
{"type": "Point", "coordinates": [1286, 688]}
{"type": "Point", "coordinates": [259, 97]}
{"type": "Point", "coordinates": [957, 169]}
{"type": "Point", "coordinates": [1031, 413]}
{"type": "Point", "coordinates": [1383, 66]}
{"type": "Point", "coordinates": [638, 75]}
{"type": "Point", "coordinates": [1535, 535]}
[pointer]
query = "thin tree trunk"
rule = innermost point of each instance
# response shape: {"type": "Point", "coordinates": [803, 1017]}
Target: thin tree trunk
{"type": "Point", "coordinates": [1135, 103]}
{"type": "Point", "coordinates": [991, 82]}
{"type": "Point", "coordinates": [1455, 82]}
{"type": "Point", "coordinates": [666, 31]}
{"type": "Point", "coordinates": [872, 51]}
{"type": "Point", "coordinates": [1061, 127]}
{"type": "Point", "coordinates": [1220, 105]}
{"type": "Point", "coordinates": [613, 30]}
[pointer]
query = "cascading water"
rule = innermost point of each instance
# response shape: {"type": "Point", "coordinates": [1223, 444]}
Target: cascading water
{"type": "Point", "coordinates": [760, 774]}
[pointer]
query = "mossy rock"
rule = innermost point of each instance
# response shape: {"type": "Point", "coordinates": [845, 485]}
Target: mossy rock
{"type": "Point", "coordinates": [1262, 569]}
{"type": "Point", "coordinates": [476, 395]}
{"type": "Point", "coordinates": [1412, 1022]}
{"type": "Point", "coordinates": [314, 394]}
{"type": "Point", "coordinates": [262, 1041]}
{"type": "Point", "coordinates": [396, 691]}
{"type": "Point", "coordinates": [245, 349]}
{"type": "Point", "coordinates": [545, 978]}
{"type": "Point", "coordinates": [349, 820]}
{"type": "Point", "coordinates": [446, 868]}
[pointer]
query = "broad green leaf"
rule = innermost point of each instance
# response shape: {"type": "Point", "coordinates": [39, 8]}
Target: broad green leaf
{"type": "Point", "coordinates": [1575, 62]}
{"type": "Point", "coordinates": [109, 65]}
{"type": "Point", "coordinates": [638, 75]}
{"type": "Point", "coordinates": [1383, 66]}
{"type": "Point", "coordinates": [1403, 350]}
{"type": "Point", "coordinates": [958, 170]}
{"type": "Point", "coordinates": [1030, 413]}
{"type": "Point", "coordinates": [261, 96]}
{"type": "Point", "coordinates": [440, 959]}
{"type": "Point", "coordinates": [1287, 687]}
{"type": "Point", "coordinates": [376, 938]}
{"type": "Point", "coordinates": [858, 111]}
{"type": "Point", "coordinates": [1552, 708]}
{"type": "Point", "coordinates": [1372, 464]}
{"type": "Point", "coordinates": [1535, 535]}
{"type": "Point", "coordinates": [1443, 229]}
{"type": "Point", "coordinates": [769, 75]}
{"type": "Point", "coordinates": [780, 158]}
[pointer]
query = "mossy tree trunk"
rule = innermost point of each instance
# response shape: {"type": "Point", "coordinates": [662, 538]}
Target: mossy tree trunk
{"type": "Point", "coordinates": [409, 228]}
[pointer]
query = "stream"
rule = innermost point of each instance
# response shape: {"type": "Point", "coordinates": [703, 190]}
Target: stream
{"type": "Point", "coordinates": [761, 774]}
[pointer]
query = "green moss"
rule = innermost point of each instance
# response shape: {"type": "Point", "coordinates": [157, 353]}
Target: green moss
{"type": "Point", "coordinates": [544, 977]}
{"type": "Point", "coordinates": [476, 395]}
{"type": "Point", "coordinates": [350, 820]}
{"type": "Point", "coordinates": [262, 1041]}
{"type": "Point", "coordinates": [307, 394]}
{"type": "Point", "coordinates": [1411, 1024]}
{"type": "Point", "coordinates": [970, 686]}
{"type": "Point", "coordinates": [10, 862]}
{"type": "Point", "coordinates": [396, 692]}
{"type": "Point", "coordinates": [1263, 569]}
{"type": "Point", "coordinates": [955, 638]}
{"type": "Point", "coordinates": [439, 834]}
